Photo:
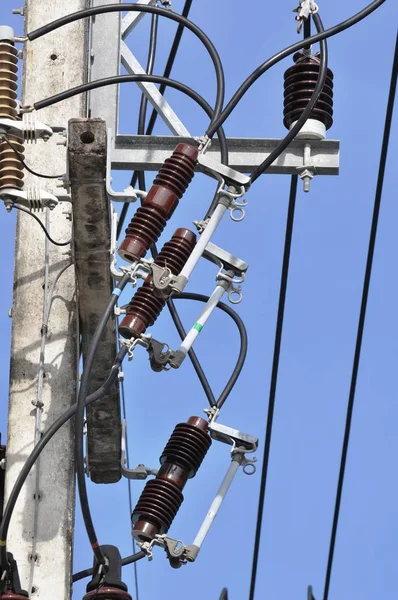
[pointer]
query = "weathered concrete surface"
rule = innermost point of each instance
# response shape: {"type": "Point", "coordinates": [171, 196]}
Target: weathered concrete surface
{"type": "Point", "coordinates": [87, 165]}
{"type": "Point", "coordinates": [51, 64]}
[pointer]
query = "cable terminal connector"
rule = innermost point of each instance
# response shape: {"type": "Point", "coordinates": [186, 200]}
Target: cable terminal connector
{"type": "Point", "coordinates": [304, 10]}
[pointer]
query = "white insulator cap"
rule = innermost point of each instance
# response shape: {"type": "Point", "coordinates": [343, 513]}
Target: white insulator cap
{"type": "Point", "coordinates": [7, 33]}
{"type": "Point", "coordinates": [311, 130]}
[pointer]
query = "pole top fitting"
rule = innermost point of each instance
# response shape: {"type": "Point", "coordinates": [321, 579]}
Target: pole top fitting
{"type": "Point", "coordinates": [7, 34]}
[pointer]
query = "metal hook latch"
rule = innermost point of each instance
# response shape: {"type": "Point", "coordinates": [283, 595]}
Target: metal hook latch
{"type": "Point", "coordinates": [144, 340]}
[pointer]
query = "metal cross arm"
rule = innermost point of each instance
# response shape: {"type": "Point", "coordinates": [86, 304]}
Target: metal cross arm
{"type": "Point", "coordinates": [148, 153]}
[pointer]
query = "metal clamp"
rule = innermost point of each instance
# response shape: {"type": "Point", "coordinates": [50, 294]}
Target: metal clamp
{"type": "Point", "coordinates": [143, 340]}
{"type": "Point", "coordinates": [31, 197]}
{"type": "Point", "coordinates": [138, 270]}
{"type": "Point", "coordinates": [304, 10]}
{"type": "Point", "coordinates": [233, 437]}
{"type": "Point", "coordinates": [214, 168]}
{"type": "Point", "coordinates": [29, 128]}
{"type": "Point", "coordinates": [129, 194]}
{"type": "Point", "coordinates": [141, 471]}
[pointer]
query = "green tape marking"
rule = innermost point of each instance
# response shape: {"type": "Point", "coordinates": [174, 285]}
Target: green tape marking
{"type": "Point", "coordinates": [198, 327]}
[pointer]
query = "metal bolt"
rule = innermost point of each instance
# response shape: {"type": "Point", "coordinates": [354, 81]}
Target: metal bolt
{"type": "Point", "coordinates": [18, 11]}
{"type": "Point", "coordinates": [306, 175]}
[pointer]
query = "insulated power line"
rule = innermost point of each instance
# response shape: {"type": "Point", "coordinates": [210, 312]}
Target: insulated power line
{"type": "Point", "coordinates": [154, 115]}
{"type": "Point", "coordinates": [362, 314]}
{"type": "Point", "coordinates": [27, 167]}
{"type": "Point", "coordinates": [47, 436]}
{"type": "Point", "coordinates": [117, 79]}
{"type": "Point", "coordinates": [28, 212]}
{"type": "Point", "coordinates": [243, 341]}
{"type": "Point", "coordinates": [246, 85]}
{"type": "Point", "coordinates": [274, 377]}
{"type": "Point", "coordinates": [283, 144]}
{"type": "Point", "coordinates": [79, 420]}
{"type": "Point", "coordinates": [90, 12]}
{"type": "Point", "coordinates": [170, 61]}
{"type": "Point", "coordinates": [125, 561]}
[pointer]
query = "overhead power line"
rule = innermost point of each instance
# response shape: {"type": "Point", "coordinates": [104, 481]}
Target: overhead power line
{"type": "Point", "coordinates": [362, 315]}
{"type": "Point", "coordinates": [274, 377]}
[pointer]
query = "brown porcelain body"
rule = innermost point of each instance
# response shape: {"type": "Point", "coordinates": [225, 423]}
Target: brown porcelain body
{"type": "Point", "coordinates": [145, 307]}
{"type": "Point", "coordinates": [150, 219]}
{"type": "Point", "coordinates": [162, 496]}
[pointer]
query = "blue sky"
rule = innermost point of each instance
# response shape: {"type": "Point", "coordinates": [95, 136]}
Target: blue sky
{"type": "Point", "coordinates": [328, 260]}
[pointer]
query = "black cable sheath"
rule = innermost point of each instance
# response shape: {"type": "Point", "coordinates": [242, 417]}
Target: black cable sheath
{"type": "Point", "coordinates": [154, 115]}
{"type": "Point", "coordinates": [246, 85]}
{"type": "Point", "coordinates": [170, 61]}
{"type": "Point", "coordinates": [28, 212]}
{"type": "Point", "coordinates": [89, 12]}
{"type": "Point", "coordinates": [125, 561]}
{"type": "Point", "coordinates": [274, 376]}
{"type": "Point", "coordinates": [79, 447]}
{"type": "Point", "coordinates": [192, 354]}
{"type": "Point", "coordinates": [51, 431]}
{"type": "Point", "coordinates": [117, 79]}
{"type": "Point", "coordinates": [149, 70]}
{"type": "Point", "coordinates": [243, 341]}
{"type": "Point", "coordinates": [320, 82]}
{"type": "Point", "coordinates": [21, 159]}
{"type": "Point", "coordinates": [153, 38]}
{"type": "Point", "coordinates": [362, 315]}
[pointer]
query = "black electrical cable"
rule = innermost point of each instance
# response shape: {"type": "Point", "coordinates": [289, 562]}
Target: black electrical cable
{"type": "Point", "coordinates": [149, 70]}
{"type": "Point", "coordinates": [241, 91]}
{"type": "Point", "coordinates": [320, 82]}
{"type": "Point", "coordinates": [89, 12]}
{"type": "Point", "coordinates": [192, 354]}
{"type": "Point", "coordinates": [154, 115]}
{"type": "Point", "coordinates": [33, 456]}
{"type": "Point", "coordinates": [362, 314]}
{"type": "Point", "coordinates": [125, 561]}
{"type": "Point", "coordinates": [224, 594]}
{"type": "Point", "coordinates": [274, 376]}
{"type": "Point", "coordinates": [79, 448]}
{"type": "Point", "coordinates": [170, 61]}
{"type": "Point", "coordinates": [28, 212]}
{"type": "Point", "coordinates": [243, 341]}
{"type": "Point", "coordinates": [21, 159]}
{"type": "Point", "coordinates": [117, 79]}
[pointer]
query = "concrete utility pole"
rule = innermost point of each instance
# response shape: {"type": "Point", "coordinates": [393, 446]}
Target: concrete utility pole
{"type": "Point", "coordinates": [44, 371]}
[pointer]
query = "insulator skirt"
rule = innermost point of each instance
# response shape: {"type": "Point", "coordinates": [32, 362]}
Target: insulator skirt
{"type": "Point", "coordinates": [107, 592]}
{"type": "Point", "coordinates": [168, 187]}
{"type": "Point", "coordinates": [300, 82]}
{"type": "Point", "coordinates": [11, 168]}
{"type": "Point", "coordinates": [144, 307]}
{"type": "Point", "coordinates": [162, 497]}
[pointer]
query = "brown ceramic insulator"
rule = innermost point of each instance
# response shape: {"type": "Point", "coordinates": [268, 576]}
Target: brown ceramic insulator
{"type": "Point", "coordinates": [11, 168]}
{"type": "Point", "coordinates": [10, 595]}
{"type": "Point", "coordinates": [106, 592]}
{"type": "Point", "coordinates": [300, 82]}
{"type": "Point", "coordinates": [187, 446]}
{"type": "Point", "coordinates": [168, 187]}
{"type": "Point", "coordinates": [162, 497]}
{"type": "Point", "coordinates": [144, 307]}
